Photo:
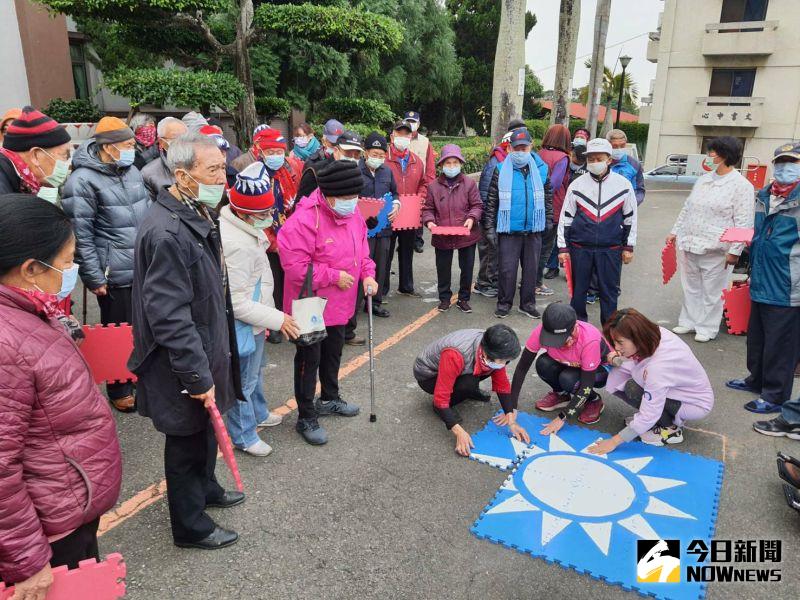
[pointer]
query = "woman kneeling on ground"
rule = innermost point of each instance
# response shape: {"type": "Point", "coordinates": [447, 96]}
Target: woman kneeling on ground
{"type": "Point", "coordinates": [655, 372]}
{"type": "Point", "coordinates": [571, 365]}
{"type": "Point", "coordinates": [452, 367]}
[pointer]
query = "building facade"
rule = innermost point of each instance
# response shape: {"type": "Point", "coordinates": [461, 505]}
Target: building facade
{"type": "Point", "coordinates": [725, 67]}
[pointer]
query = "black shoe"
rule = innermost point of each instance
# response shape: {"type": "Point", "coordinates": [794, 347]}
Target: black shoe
{"type": "Point", "coordinates": [530, 312]}
{"type": "Point", "coordinates": [411, 294]}
{"type": "Point", "coordinates": [463, 306]}
{"type": "Point", "coordinates": [229, 498]}
{"type": "Point", "coordinates": [418, 246]}
{"type": "Point", "coordinates": [551, 274]}
{"type": "Point", "coordinates": [379, 311]}
{"type": "Point", "coordinates": [355, 341]}
{"type": "Point", "coordinates": [500, 313]}
{"type": "Point", "coordinates": [488, 291]}
{"type": "Point", "coordinates": [275, 337]}
{"type": "Point", "coordinates": [219, 538]}
{"type": "Point", "coordinates": [778, 427]}
{"type": "Point", "coordinates": [444, 306]}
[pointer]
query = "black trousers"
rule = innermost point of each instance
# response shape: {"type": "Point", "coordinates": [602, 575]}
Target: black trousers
{"type": "Point", "coordinates": [444, 266]}
{"type": "Point", "coordinates": [404, 240]}
{"type": "Point", "coordinates": [277, 277]}
{"type": "Point", "coordinates": [379, 252]}
{"type": "Point", "coordinates": [487, 252]}
{"type": "Point", "coordinates": [773, 343]}
{"type": "Point", "coordinates": [564, 379]}
{"type": "Point", "coordinates": [77, 546]}
{"type": "Point", "coordinates": [115, 307]}
{"type": "Point", "coordinates": [466, 387]}
{"type": "Point", "coordinates": [548, 241]}
{"type": "Point", "coordinates": [633, 395]}
{"type": "Point", "coordinates": [189, 462]}
{"type": "Point", "coordinates": [514, 251]}
{"type": "Point", "coordinates": [324, 358]}
{"type": "Point", "coordinates": [606, 264]}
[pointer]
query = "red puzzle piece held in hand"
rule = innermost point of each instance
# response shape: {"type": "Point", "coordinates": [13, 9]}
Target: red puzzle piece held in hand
{"type": "Point", "coordinates": [669, 262]}
{"type": "Point", "coordinates": [737, 235]}
{"type": "Point", "coordinates": [437, 230]}
{"type": "Point", "coordinates": [736, 307]}
{"type": "Point", "coordinates": [107, 349]}
{"type": "Point", "coordinates": [410, 214]}
{"type": "Point", "coordinates": [92, 580]}
{"type": "Point", "coordinates": [568, 274]}
{"type": "Point", "coordinates": [224, 443]}
{"type": "Point", "coordinates": [370, 207]}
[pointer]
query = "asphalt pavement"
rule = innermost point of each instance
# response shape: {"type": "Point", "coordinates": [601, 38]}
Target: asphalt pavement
{"type": "Point", "coordinates": [384, 509]}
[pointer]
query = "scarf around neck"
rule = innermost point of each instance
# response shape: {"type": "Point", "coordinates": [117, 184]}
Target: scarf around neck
{"type": "Point", "coordinates": [782, 190]}
{"type": "Point", "coordinates": [29, 183]}
{"type": "Point", "coordinates": [505, 186]}
{"type": "Point", "coordinates": [304, 153]}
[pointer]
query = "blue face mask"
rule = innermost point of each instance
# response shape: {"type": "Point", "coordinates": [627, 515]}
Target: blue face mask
{"type": "Point", "coordinates": [451, 171]}
{"type": "Point", "coordinates": [69, 278]}
{"type": "Point", "coordinates": [787, 172]}
{"type": "Point", "coordinates": [520, 159]}
{"type": "Point", "coordinates": [345, 207]}
{"type": "Point", "coordinates": [126, 157]}
{"type": "Point", "coordinates": [274, 162]}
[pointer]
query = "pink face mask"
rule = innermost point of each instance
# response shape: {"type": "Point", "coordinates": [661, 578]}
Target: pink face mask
{"type": "Point", "coordinates": [146, 135]}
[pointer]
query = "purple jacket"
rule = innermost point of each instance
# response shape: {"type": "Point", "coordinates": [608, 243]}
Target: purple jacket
{"type": "Point", "coordinates": [449, 204]}
{"type": "Point", "coordinates": [317, 235]}
{"type": "Point", "coordinates": [60, 463]}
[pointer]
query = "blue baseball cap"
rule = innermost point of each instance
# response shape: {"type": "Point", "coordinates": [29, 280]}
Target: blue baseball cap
{"type": "Point", "coordinates": [332, 130]}
{"type": "Point", "coordinates": [520, 137]}
{"type": "Point", "coordinates": [411, 115]}
{"type": "Point", "coordinates": [790, 149]}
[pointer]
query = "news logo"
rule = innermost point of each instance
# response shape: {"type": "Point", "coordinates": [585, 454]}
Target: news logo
{"type": "Point", "coordinates": [659, 561]}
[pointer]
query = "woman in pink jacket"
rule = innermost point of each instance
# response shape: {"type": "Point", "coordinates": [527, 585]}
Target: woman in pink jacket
{"type": "Point", "coordinates": [329, 235]}
{"type": "Point", "coordinates": [60, 464]}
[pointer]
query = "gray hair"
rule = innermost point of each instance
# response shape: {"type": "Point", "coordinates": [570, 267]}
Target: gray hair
{"type": "Point", "coordinates": [616, 134]}
{"type": "Point", "coordinates": [140, 119]}
{"type": "Point", "coordinates": [182, 153]}
{"type": "Point", "coordinates": [166, 122]}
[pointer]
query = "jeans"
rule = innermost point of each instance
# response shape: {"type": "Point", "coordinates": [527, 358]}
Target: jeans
{"type": "Point", "coordinates": [552, 261]}
{"type": "Point", "coordinates": [244, 417]}
{"type": "Point", "coordinates": [444, 264]}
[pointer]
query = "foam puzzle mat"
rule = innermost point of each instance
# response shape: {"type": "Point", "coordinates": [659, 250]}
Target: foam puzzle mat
{"type": "Point", "coordinates": [586, 512]}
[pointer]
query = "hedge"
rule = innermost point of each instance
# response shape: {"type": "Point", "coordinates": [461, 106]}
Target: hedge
{"type": "Point", "coordinates": [72, 111]}
{"type": "Point", "coordinates": [636, 132]}
{"type": "Point", "coordinates": [357, 110]}
{"type": "Point", "coordinates": [270, 107]}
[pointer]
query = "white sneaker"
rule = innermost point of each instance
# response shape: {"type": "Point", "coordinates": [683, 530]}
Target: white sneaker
{"type": "Point", "coordinates": [672, 434]}
{"type": "Point", "coordinates": [699, 337]}
{"type": "Point", "coordinates": [652, 437]}
{"type": "Point", "coordinates": [260, 448]}
{"type": "Point", "coordinates": [271, 421]}
{"type": "Point", "coordinates": [680, 330]}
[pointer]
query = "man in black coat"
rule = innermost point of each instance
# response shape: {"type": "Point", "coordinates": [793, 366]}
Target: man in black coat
{"type": "Point", "coordinates": [185, 352]}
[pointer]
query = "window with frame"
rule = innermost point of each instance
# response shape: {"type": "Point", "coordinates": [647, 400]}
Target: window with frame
{"type": "Point", "coordinates": [738, 11]}
{"type": "Point", "coordinates": [732, 83]}
{"type": "Point", "coordinates": [79, 74]}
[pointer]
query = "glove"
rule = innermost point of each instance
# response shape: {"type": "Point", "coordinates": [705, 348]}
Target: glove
{"type": "Point", "coordinates": [372, 222]}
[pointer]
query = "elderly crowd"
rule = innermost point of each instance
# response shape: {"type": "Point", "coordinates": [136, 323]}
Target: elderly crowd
{"type": "Point", "coordinates": [205, 249]}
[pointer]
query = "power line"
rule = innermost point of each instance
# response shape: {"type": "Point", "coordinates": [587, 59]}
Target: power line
{"type": "Point", "coordinates": [588, 55]}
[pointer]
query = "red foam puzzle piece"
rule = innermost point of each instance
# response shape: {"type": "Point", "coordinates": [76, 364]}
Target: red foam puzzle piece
{"type": "Point", "coordinates": [410, 214]}
{"type": "Point", "coordinates": [450, 230]}
{"type": "Point", "coordinates": [107, 349]}
{"type": "Point", "coordinates": [568, 274]}
{"type": "Point", "coordinates": [224, 443]}
{"type": "Point", "coordinates": [736, 307]}
{"type": "Point", "coordinates": [737, 235]}
{"type": "Point", "coordinates": [92, 580]}
{"type": "Point", "coordinates": [370, 207]}
{"type": "Point", "coordinates": [669, 262]}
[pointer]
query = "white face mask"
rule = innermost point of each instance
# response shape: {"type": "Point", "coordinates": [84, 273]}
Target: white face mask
{"type": "Point", "coordinates": [597, 168]}
{"type": "Point", "coordinates": [414, 126]}
{"type": "Point", "coordinates": [402, 143]}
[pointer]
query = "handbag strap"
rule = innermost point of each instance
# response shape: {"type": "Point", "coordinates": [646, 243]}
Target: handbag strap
{"type": "Point", "coordinates": [306, 291]}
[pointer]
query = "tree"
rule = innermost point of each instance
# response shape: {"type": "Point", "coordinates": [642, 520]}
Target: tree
{"type": "Point", "coordinates": [610, 89]}
{"type": "Point", "coordinates": [568, 26]}
{"type": "Point", "coordinates": [534, 89]}
{"type": "Point", "coordinates": [602, 16]}
{"type": "Point", "coordinates": [509, 63]}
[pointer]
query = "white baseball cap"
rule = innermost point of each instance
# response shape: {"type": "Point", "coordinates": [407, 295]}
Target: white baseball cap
{"type": "Point", "coordinates": [598, 145]}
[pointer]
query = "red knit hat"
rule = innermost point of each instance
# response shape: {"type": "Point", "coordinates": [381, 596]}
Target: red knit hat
{"type": "Point", "coordinates": [33, 129]}
{"type": "Point", "coordinates": [252, 192]}
{"type": "Point", "coordinates": [269, 138]}
{"type": "Point", "coordinates": [215, 133]}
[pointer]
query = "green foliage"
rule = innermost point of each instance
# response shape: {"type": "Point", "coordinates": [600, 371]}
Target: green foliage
{"type": "Point", "coordinates": [335, 25]}
{"type": "Point", "coordinates": [636, 132]}
{"type": "Point", "coordinates": [362, 129]}
{"type": "Point", "coordinates": [269, 107]}
{"type": "Point", "coordinates": [475, 150]}
{"type": "Point", "coordinates": [533, 89]}
{"type": "Point", "coordinates": [194, 89]}
{"type": "Point", "coordinates": [114, 9]}
{"type": "Point", "coordinates": [265, 66]}
{"type": "Point", "coordinates": [359, 110]}
{"type": "Point", "coordinates": [611, 84]}
{"type": "Point", "coordinates": [72, 111]}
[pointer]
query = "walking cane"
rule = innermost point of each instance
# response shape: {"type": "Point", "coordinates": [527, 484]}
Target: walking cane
{"type": "Point", "coordinates": [372, 417]}
{"type": "Point", "coordinates": [84, 305]}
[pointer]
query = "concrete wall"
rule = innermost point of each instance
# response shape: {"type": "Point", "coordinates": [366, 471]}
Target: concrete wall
{"type": "Point", "coordinates": [684, 74]}
{"type": "Point", "coordinates": [14, 91]}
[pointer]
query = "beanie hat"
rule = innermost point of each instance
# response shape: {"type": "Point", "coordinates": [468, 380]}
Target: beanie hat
{"type": "Point", "coordinates": [252, 191]}
{"type": "Point", "coordinates": [259, 129]}
{"type": "Point", "coordinates": [215, 133]}
{"type": "Point", "coordinates": [111, 130]}
{"type": "Point", "coordinates": [340, 179]}
{"type": "Point", "coordinates": [34, 129]}
{"type": "Point", "coordinates": [269, 138]}
{"type": "Point", "coordinates": [376, 140]}
{"type": "Point", "coordinates": [194, 121]}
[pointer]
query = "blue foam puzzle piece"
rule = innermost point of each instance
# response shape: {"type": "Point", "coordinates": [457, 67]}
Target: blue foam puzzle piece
{"type": "Point", "coordinates": [586, 512]}
{"type": "Point", "coordinates": [383, 217]}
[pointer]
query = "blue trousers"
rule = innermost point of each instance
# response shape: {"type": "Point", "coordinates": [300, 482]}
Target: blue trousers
{"type": "Point", "coordinates": [606, 264]}
{"type": "Point", "coordinates": [243, 417]}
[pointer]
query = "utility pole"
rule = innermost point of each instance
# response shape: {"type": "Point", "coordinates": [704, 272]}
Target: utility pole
{"type": "Point", "coordinates": [624, 61]}
{"type": "Point", "coordinates": [508, 83]}
{"type": "Point", "coordinates": [601, 19]}
{"type": "Point", "coordinates": [568, 27]}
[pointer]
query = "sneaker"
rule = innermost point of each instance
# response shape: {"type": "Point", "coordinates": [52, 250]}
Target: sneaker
{"type": "Point", "coordinates": [463, 306]}
{"type": "Point", "coordinates": [444, 306]}
{"type": "Point", "coordinates": [672, 435]}
{"type": "Point", "coordinates": [762, 407]}
{"type": "Point", "coordinates": [699, 337]}
{"type": "Point", "coordinates": [681, 330]}
{"type": "Point", "coordinates": [742, 386]}
{"type": "Point", "coordinates": [552, 401]}
{"type": "Point", "coordinates": [356, 341]}
{"type": "Point", "coordinates": [778, 427]}
{"type": "Point", "coordinates": [312, 431]}
{"type": "Point", "coordinates": [336, 407]}
{"type": "Point", "coordinates": [652, 437]}
{"type": "Point", "coordinates": [411, 294]}
{"type": "Point", "coordinates": [487, 291]}
{"type": "Point", "coordinates": [591, 412]}
{"type": "Point", "coordinates": [500, 313]}
{"type": "Point", "coordinates": [272, 420]}
{"type": "Point", "coordinates": [551, 274]}
{"type": "Point", "coordinates": [543, 290]}
{"type": "Point", "coordinates": [260, 448]}
{"type": "Point", "coordinates": [530, 312]}
{"type": "Point", "coordinates": [591, 298]}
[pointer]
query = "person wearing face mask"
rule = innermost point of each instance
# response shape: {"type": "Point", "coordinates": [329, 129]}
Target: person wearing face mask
{"type": "Point", "coordinates": [305, 144]}
{"type": "Point", "coordinates": [453, 201]}
{"type": "Point", "coordinates": [328, 237]}
{"type": "Point", "coordinates": [519, 208]}
{"type": "Point", "coordinates": [421, 146]}
{"type": "Point", "coordinates": [331, 133]}
{"type": "Point", "coordinates": [581, 137]}
{"type": "Point", "coordinates": [242, 223]}
{"type": "Point", "coordinates": [106, 199]}
{"type": "Point", "coordinates": [184, 347]}
{"type": "Point", "coordinates": [597, 230]}
{"type": "Point", "coordinates": [773, 333]}
{"type": "Point", "coordinates": [624, 164]}
{"type": "Point", "coordinates": [60, 461]}
{"type": "Point", "coordinates": [409, 174]}
{"type": "Point", "coordinates": [655, 372]}
{"type": "Point", "coordinates": [719, 200]}
{"type": "Point", "coordinates": [452, 368]}
{"type": "Point", "coordinates": [156, 173]}
{"type": "Point", "coordinates": [144, 130]}
{"type": "Point", "coordinates": [34, 158]}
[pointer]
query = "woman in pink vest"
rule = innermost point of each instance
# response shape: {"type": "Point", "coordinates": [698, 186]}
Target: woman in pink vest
{"type": "Point", "coordinates": [556, 148]}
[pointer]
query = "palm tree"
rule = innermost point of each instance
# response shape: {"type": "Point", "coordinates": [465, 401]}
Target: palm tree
{"type": "Point", "coordinates": [630, 91]}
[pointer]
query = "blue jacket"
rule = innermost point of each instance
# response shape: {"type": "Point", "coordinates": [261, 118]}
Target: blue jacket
{"type": "Point", "coordinates": [631, 170]}
{"type": "Point", "coordinates": [494, 162]}
{"type": "Point", "coordinates": [775, 251]}
{"type": "Point", "coordinates": [521, 205]}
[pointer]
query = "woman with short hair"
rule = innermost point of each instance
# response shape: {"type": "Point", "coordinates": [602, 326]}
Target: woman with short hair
{"type": "Point", "coordinates": [304, 144]}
